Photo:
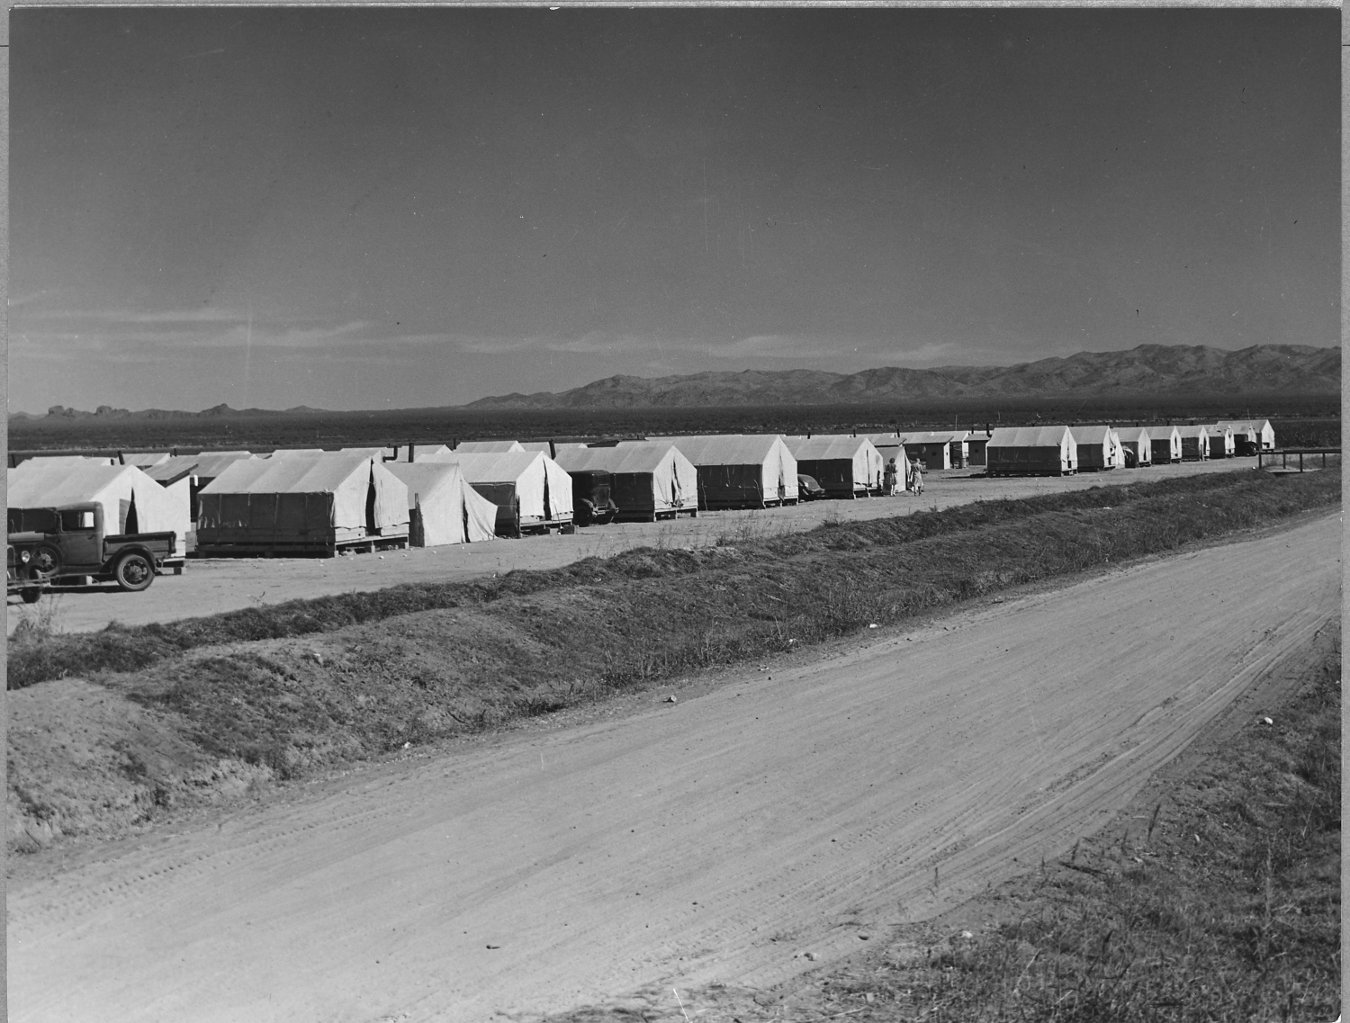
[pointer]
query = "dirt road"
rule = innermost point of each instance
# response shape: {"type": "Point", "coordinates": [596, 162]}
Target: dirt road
{"type": "Point", "coordinates": [216, 585]}
{"type": "Point", "coordinates": [796, 810]}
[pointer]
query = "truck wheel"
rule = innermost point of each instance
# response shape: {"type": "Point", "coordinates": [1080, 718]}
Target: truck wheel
{"type": "Point", "coordinates": [134, 572]}
{"type": "Point", "coordinates": [31, 594]}
{"type": "Point", "coordinates": [46, 562]}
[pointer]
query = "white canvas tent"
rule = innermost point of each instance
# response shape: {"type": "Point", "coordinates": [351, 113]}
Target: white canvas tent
{"type": "Point", "coordinates": [844, 466]}
{"type": "Point", "coordinates": [1117, 449]}
{"type": "Point", "coordinates": [303, 504]}
{"type": "Point", "coordinates": [199, 469]}
{"type": "Point", "coordinates": [740, 470]}
{"type": "Point", "coordinates": [1251, 435]}
{"type": "Point", "coordinates": [1135, 440]}
{"type": "Point", "coordinates": [1166, 444]}
{"type": "Point", "coordinates": [1096, 447]}
{"type": "Point", "coordinates": [132, 502]}
{"type": "Point", "coordinates": [1031, 451]}
{"type": "Point", "coordinates": [890, 445]}
{"type": "Point", "coordinates": [936, 449]}
{"type": "Point", "coordinates": [648, 480]}
{"type": "Point", "coordinates": [442, 507]}
{"type": "Point", "coordinates": [1194, 443]}
{"type": "Point", "coordinates": [1221, 443]}
{"type": "Point", "coordinates": [532, 492]}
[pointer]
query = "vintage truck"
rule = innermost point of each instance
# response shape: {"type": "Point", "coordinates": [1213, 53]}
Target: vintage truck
{"type": "Point", "coordinates": [68, 544]}
{"type": "Point", "coordinates": [592, 500]}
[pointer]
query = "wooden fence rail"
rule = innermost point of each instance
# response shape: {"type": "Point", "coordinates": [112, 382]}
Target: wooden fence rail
{"type": "Point", "coordinates": [1264, 458]}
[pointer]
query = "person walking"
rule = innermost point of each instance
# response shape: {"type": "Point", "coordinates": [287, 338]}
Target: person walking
{"type": "Point", "coordinates": [916, 479]}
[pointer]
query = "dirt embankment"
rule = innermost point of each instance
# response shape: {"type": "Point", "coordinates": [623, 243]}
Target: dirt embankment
{"type": "Point", "coordinates": [779, 820]}
{"type": "Point", "coordinates": [196, 713]}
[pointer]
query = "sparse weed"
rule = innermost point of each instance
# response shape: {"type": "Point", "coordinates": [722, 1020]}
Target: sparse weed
{"type": "Point", "coordinates": [1243, 924]}
{"type": "Point", "coordinates": [38, 623]}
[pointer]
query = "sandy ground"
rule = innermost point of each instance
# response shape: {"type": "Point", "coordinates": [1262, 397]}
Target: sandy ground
{"type": "Point", "coordinates": [216, 585]}
{"type": "Point", "coordinates": [741, 836]}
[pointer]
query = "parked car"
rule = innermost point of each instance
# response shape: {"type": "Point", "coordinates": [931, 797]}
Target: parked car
{"type": "Point", "coordinates": [808, 489]}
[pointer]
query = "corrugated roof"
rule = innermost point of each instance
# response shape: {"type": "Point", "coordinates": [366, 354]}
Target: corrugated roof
{"type": "Point", "coordinates": [141, 459]}
{"type": "Point", "coordinates": [173, 469]}
{"type": "Point", "coordinates": [207, 465]}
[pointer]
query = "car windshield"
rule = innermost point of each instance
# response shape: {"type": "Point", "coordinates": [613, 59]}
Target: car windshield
{"type": "Point", "coordinates": [31, 520]}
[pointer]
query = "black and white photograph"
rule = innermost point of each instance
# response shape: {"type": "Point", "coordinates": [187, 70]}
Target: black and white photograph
{"type": "Point", "coordinates": [568, 513]}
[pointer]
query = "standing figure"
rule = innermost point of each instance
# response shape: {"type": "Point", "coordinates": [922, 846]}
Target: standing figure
{"type": "Point", "coordinates": [888, 479]}
{"type": "Point", "coordinates": [916, 479]}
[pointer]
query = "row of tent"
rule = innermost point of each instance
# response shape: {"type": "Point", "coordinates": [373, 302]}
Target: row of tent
{"type": "Point", "coordinates": [718, 471]}
{"type": "Point", "coordinates": [314, 503]}
{"type": "Point", "coordinates": [1060, 450]}
{"type": "Point", "coordinates": [294, 501]}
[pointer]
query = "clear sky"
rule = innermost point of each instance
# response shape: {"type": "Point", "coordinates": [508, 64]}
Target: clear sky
{"type": "Point", "coordinates": [390, 207]}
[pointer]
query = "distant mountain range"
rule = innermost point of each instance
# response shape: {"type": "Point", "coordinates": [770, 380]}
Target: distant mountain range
{"type": "Point", "coordinates": [1149, 370]}
{"type": "Point", "coordinates": [1153, 370]}
{"type": "Point", "coordinates": [61, 412]}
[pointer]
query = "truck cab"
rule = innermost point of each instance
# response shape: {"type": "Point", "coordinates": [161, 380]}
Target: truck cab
{"type": "Point", "coordinates": [70, 542]}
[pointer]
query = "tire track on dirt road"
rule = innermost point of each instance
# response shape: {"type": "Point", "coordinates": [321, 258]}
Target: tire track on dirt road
{"type": "Point", "coordinates": [716, 840]}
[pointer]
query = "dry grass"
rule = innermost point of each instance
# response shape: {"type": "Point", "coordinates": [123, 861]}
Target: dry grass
{"type": "Point", "coordinates": [1226, 907]}
{"type": "Point", "coordinates": [302, 688]}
